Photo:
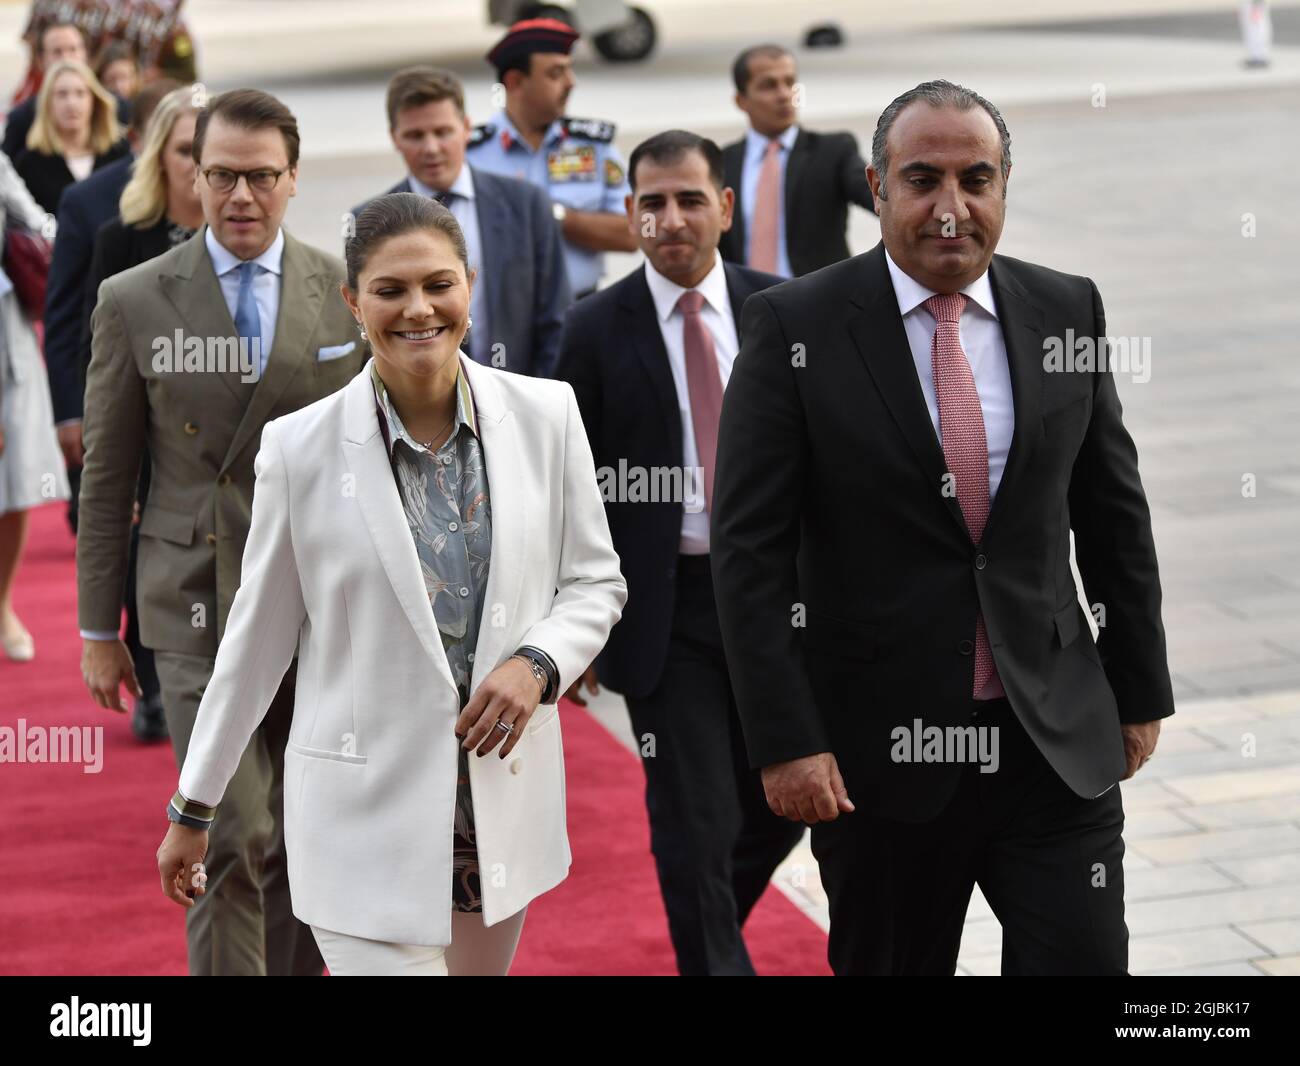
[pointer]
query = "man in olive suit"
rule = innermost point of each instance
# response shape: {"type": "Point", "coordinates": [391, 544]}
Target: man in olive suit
{"type": "Point", "coordinates": [192, 354]}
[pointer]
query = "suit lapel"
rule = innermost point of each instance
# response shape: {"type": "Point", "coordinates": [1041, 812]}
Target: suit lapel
{"type": "Point", "coordinates": [641, 324]}
{"type": "Point", "coordinates": [302, 293]}
{"type": "Point", "coordinates": [734, 167]}
{"type": "Point", "coordinates": [492, 243]}
{"type": "Point", "coordinates": [738, 291]}
{"type": "Point", "coordinates": [794, 168]}
{"type": "Point", "coordinates": [503, 454]}
{"type": "Point", "coordinates": [878, 333]}
{"type": "Point", "coordinates": [1022, 333]}
{"type": "Point", "coordinates": [195, 292]}
{"type": "Point", "coordinates": [380, 503]}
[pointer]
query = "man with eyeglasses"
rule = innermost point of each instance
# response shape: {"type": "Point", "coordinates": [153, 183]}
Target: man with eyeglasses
{"type": "Point", "coordinates": [192, 354]}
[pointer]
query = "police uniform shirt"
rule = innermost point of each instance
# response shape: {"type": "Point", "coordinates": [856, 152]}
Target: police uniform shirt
{"type": "Point", "coordinates": [578, 166]}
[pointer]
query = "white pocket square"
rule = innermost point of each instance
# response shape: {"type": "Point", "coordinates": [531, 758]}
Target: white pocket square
{"type": "Point", "coordinates": [334, 352]}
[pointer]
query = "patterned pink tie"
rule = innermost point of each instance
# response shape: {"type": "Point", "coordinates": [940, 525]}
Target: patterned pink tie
{"type": "Point", "coordinates": [961, 425]}
{"type": "Point", "coordinates": [763, 241]}
{"type": "Point", "coordinates": [704, 383]}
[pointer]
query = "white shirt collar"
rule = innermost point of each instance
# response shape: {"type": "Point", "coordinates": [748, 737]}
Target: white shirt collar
{"type": "Point", "coordinates": [666, 292]}
{"type": "Point", "coordinates": [756, 143]}
{"type": "Point", "coordinates": [224, 260]}
{"type": "Point", "coordinates": [911, 293]}
{"type": "Point", "coordinates": [463, 186]}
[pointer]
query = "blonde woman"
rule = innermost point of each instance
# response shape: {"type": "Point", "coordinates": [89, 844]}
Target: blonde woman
{"type": "Point", "coordinates": [75, 132]}
{"type": "Point", "coordinates": [159, 208]}
{"type": "Point", "coordinates": [31, 465]}
{"type": "Point", "coordinates": [432, 541]}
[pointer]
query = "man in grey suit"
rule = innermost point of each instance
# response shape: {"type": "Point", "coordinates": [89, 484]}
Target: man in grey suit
{"type": "Point", "coordinates": [514, 243]}
{"type": "Point", "coordinates": [192, 354]}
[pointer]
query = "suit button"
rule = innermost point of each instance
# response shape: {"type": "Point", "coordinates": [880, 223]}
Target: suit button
{"type": "Point", "coordinates": [223, 480]}
{"type": "Point", "coordinates": [966, 646]}
{"type": "Point", "coordinates": [981, 562]}
{"type": "Point", "coordinates": [516, 765]}
{"type": "Point", "coordinates": [212, 538]}
{"type": "Point", "coordinates": [191, 428]}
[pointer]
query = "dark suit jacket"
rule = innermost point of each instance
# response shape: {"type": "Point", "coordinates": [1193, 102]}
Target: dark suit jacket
{"type": "Point", "coordinates": [47, 176]}
{"type": "Point", "coordinates": [523, 268]}
{"type": "Point", "coordinates": [828, 503]}
{"type": "Point", "coordinates": [117, 248]}
{"type": "Point", "coordinates": [824, 174]}
{"type": "Point", "coordinates": [85, 207]}
{"type": "Point", "coordinates": [19, 123]}
{"type": "Point", "coordinates": [612, 353]}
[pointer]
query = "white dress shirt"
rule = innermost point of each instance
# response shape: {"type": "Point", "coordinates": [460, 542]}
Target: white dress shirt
{"type": "Point", "coordinates": [266, 284]}
{"type": "Point", "coordinates": [986, 351]}
{"type": "Point", "coordinates": [721, 323]}
{"type": "Point", "coordinates": [755, 148]}
{"type": "Point", "coordinates": [461, 204]}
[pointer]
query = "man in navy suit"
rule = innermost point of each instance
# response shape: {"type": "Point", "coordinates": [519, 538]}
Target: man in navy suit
{"type": "Point", "coordinates": [648, 359]}
{"type": "Point", "coordinates": [521, 289]}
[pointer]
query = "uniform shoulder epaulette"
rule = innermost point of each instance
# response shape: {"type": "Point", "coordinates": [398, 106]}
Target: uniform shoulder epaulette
{"type": "Point", "coordinates": [481, 133]}
{"type": "Point", "coordinates": [594, 129]}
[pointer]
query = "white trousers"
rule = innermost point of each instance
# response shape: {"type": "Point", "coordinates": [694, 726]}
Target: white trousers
{"type": "Point", "coordinates": [475, 950]}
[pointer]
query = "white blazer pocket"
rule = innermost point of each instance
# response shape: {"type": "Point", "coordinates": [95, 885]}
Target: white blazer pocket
{"type": "Point", "coordinates": [335, 352]}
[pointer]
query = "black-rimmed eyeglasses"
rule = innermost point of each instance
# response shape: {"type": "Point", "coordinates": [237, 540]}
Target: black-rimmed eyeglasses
{"type": "Point", "coordinates": [263, 179]}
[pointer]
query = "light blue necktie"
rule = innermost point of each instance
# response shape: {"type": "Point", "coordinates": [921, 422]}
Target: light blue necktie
{"type": "Point", "coordinates": [247, 321]}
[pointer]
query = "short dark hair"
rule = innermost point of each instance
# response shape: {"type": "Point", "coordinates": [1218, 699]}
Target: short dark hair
{"type": "Point", "coordinates": [938, 93]}
{"type": "Point", "coordinates": [522, 63]}
{"type": "Point", "coordinates": [145, 102]}
{"type": "Point", "coordinates": [668, 147]}
{"type": "Point", "coordinates": [391, 216]}
{"type": "Point", "coordinates": [250, 109]}
{"type": "Point", "coordinates": [740, 68]}
{"type": "Point", "coordinates": [416, 86]}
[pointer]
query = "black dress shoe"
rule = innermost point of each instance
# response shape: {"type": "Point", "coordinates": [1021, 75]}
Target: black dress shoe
{"type": "Point", "coordinates": [148, 722]}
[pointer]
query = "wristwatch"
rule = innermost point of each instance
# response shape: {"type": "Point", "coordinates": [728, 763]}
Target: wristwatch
{"type": "Point", "coordinates": [559, 211]}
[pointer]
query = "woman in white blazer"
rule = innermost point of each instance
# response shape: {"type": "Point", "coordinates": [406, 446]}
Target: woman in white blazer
{"type": "Point", "coordinates": [432, 542]}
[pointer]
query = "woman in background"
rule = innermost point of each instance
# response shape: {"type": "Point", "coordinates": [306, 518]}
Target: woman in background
{"type": "Point", "coordinates": [118, 70]}
{"type": "Point", "coordinates": [31, 465]}
{"type": "Point", "coordinates": [75, 132]}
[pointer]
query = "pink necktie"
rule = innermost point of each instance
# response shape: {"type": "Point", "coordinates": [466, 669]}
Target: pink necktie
{"type": "Point", "coordinates": [704, 383]}
{"type": "Point", "coordinates": [763, 240]}
{"type": "Point", "coordinates": [961, 425]}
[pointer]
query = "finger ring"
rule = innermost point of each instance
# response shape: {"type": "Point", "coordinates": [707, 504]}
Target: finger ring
{"type": "Point", "coordinates": [506, 729]}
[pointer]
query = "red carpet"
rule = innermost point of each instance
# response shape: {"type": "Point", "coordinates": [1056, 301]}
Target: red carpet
{"type": "Point", "coordinates": [79, 890]}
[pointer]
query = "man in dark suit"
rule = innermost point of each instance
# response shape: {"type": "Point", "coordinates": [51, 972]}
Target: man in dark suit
{"type": "Point", "coordinates": [521, 289]}
{"type": "Point", "coordinates": [793, 185]}
{"type": "Point", "coordinates": [648, 359]}
{"type": "Point", "coordinates": [902, 459]}
{"type": "Point", "coordinates": [59, 40]}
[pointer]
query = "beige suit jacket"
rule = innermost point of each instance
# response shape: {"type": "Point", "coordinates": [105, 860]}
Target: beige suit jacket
{"type": "Point", "coordinates": [201, 420]}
